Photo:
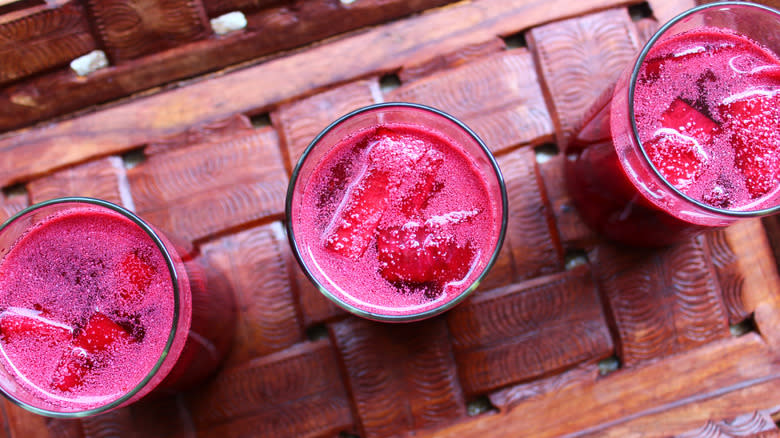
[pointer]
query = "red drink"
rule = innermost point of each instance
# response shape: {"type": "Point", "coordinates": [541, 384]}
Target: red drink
{"type": "Point", "coordinates": [396, 220]}
{"type": "Point", "coordinates": [91, 314]}
{"type": "Point", "coordinates": [694, 134]}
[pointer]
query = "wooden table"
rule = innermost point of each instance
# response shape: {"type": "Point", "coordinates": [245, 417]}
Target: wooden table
{"type": "Point", "coordinates": [198, 132]}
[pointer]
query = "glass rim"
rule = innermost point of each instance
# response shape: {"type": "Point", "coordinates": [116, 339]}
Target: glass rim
{"type": "Point", "coordinates": [635, 130]}
{"type": "Point", "coordinates": [176, 298]}
{"type": "Point", "coordinates": [379, 316]}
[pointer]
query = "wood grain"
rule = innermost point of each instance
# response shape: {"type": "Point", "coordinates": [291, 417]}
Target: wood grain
{"type": "Point", "coordinates": [679, 392]}
{"type": "Point", "coordinates": [300, 121]}
{"type": "Point", "coordinates": [573, 232]}
{"type": "Point", "coordinates": [212, 132]}
{"type": "Point", "coordinates": [401, 376]}
{"type": "Point", "coordinates": [455, 58]}
{"type": "Point", "coordinates": [22, 423]}
{"type": "Point", "coordinates": [497, 96]}
{"type": "Point", "coordinates": [135, 123]}
{"type": "Point", "coordinates": [315, 307]}
{"type": "Point", "coordinates": [254, 264]}
{"type": "Point", "coordinates": [528, 330]}
{"type": "Point", "coordinates": [661, 302]}
{"type": "Point", "coordinates": [578, 58]}
{"type": "Point", "coordinates": [530, 231]}
{"type": "Point", "coordinates": [743, 261]}
{"type": "Point", "coordinates": [132, 28]}
{"type": "Point", "coordinates": [238, 181]}
{"type": "Point", "coordinates": [507, 398]}
{"type": "Point", "coordinates": [283, 394]}
{"type": "Point", "coordinates": [10, 205]}
{"type": "Point", "coordinates": [268, 32]}
{"type": "Point", "coordinates": [104, 179]}
{"type": "Point", "coordinates": [216, 8]}
{"type": "Point", "coordinates": [42, 37]}
{"type": "Point", "coordinates": [745, 425]}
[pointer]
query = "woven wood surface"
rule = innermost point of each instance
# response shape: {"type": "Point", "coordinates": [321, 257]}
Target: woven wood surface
{"type": "Point", "coordinates": [568, 335]}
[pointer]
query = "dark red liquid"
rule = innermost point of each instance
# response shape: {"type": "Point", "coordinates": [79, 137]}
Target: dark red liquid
{"type": "Point", "coordinates": [397, 220]}
{"type": "Point", "coordinates": [707, 109]}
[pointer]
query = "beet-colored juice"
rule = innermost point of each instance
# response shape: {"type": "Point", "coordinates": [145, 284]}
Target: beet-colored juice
{"type": "Point", "coordinates": [706, 106]}
{"type": "Point", "coordinates": [397, 220]}
{"type": "Point", "coordinates": [91, 316]}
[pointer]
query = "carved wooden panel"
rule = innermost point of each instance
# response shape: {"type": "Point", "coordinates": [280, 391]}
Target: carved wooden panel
{"type": "Point", "coordinates": [138, 122]}
{"type": "Point", "coordinates": [21, 423]}
{"type": "Point", "coordinates": [578, 58]}
{"type": "Point", "coordinates": [236, 181]}
{"type": "Point", "coordinates": [746, 425]}
{"type": "Point", "coordinates": [254, 263]}
{"type": "Point", "coordinates": [37, 39]}
{"type": "Point", "coordinates": [530, 232]}
{"type": "Point", "coordinates": [300, 121]}
{"type": "Point", "coordinates": [661, 302]}
{"type": "Point", "coordinates": [10, 205]}
{"type": "Point", "coordinates": [528, 330]}
{"type": "Point", "coordinates": [503, 270]}
{"type": "Point", "coordinates": [212, 132]}
{"type": "Point", "coordinates": [215, 8]}
{"type": "Point", "coordinates": [572, 230]}
{"type": "Point", "coordinates": [297, 392]}
{"type": "Point", "coordinates": [528, 340]}
{"type": "Point", "coordinates": [507, 398]}
{"type": "Point", "coordinates": [315, 307]}
{"type": "Point", "coordinates": [104, 179]}
{"type": "Point", "coordinates": [445, 61]}
{"type": "Point", "coordinates": [683, 391]}
{"type": "Point", "coordinates": [401, 376]}
{"type": "Point", "coordinates": [497, 96]}
{"type": "Point", "coordinates": [132, 28]}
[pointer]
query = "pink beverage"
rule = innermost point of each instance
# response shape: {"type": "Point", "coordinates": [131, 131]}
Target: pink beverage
{"type": "Point", "coordinates": [95, 309]}
{"type": "Point", "coordinates": [396, 220]}
{"type": "Point", "coordinates": [704, 145]}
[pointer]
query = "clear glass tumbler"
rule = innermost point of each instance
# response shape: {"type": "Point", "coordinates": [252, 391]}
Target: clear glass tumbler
{"type": "Point", "coordinates": [416, 269]}
{"type": "Point", "coordinates": [626, 180]}
{"type": "Point", "coordinates": [96, 310]}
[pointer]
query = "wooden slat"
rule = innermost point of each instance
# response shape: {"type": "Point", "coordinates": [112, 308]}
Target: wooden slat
{"type": "Point", "coordinates": [297, 392]}
{"type": "Point", "coordinates": [300, 121]}
{"type": "Point", "coordinates": [40, 38]}
{"type": "Point", "coordinates": [530, 230]}
{"type": "Point", "coordinates": [743, 261]}
{"type": "Point", "coordinates": [162, 417]}
{"type": "Point", "coordinates": [10, 205]}
{"type": "Point", "coordinates": [22, 423]}
{"type": "Point", "coordinates": [103, 179]}
{"type": "Point", "coordinates": [506, 399]}
{"type": "Point", "coordinates": [254, 264]}
{"type": "Point", "coordinates": [213, 132]}
{"type": "Point", "coordinates": [237, 181]}
{"type": "Point", "coordinates": [661, 302]}
{"type": "Point", "coordinates": [315, 307]}
{"type": "Point", "coordinates": [445, 61]}
{"type": "Point", "coordinates": [528, 330]}
{"type": "Point", "coordinates": [401, 377]}
{"type": "Point", "coordinates": [216, 8]}
{"type": "Point", "coordinates": [503, 271]}
{"type": "Point", "coordinates": [578, 59]}
{"type": "Point", "coordinates": [267, 32]}
{"type": "Point", "coordinates": [393, 46]}
{"type": "Point", "coordinates": [710, 382]}
{"type": "Point", "coordinates": [497, 96]}
{"type": "Point", "coordinates": [129, 29]}
{"type": "Point", "coordinates": [573, 232]}
{"type": "Point", "coordinates": [664, 11]}
{"type": "Point", "coordinates": [746, 425]}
